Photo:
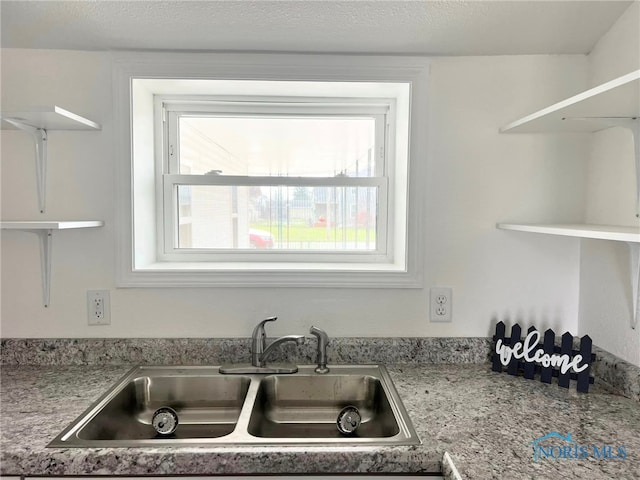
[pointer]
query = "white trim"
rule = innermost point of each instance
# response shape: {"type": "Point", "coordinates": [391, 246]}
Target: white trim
{"type": "Point", "coordinates": [158, 275]}
{"type": "Point", "coordinates": [288, 106]}
{"type": "Point", "coordinates": [275, 181]}
{"type": "Point", "coordinates": [341, 73]}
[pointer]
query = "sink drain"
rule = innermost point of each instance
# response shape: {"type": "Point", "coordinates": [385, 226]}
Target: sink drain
{"type": "Point", "coordinates": [348, 420]}
{"type": "Point", "coordinates": [165, 420]}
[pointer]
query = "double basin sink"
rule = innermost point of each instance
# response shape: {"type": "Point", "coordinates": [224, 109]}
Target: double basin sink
{"type": "Point", "coordinates": [253, 409]}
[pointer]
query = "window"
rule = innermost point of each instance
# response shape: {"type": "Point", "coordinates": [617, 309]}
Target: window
{"type": "Point", "coordinates": [275, 180]}
{"type": "Point", "coordinates": [241, 176]}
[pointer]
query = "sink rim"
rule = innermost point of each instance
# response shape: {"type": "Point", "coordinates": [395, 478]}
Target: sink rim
{"type": "Point", "coordinates": [240, 435]}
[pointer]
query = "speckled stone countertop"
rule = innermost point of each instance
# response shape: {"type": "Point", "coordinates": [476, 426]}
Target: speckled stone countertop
{"type": "Point", "coordinates": [485, 421]}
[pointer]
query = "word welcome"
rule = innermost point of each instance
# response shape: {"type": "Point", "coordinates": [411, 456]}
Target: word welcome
{"type": "Point", "coordinates": [531, 353]}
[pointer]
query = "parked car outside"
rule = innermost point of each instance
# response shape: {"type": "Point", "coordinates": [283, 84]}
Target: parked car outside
{"type": "Point", "coordinates": [260, 238]}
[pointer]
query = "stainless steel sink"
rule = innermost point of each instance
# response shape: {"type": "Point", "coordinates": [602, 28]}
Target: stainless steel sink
{"type": "Point", "coordinates": [209, 406]}
{"type": "Point", "coordinates": [217, 409]}
{"type": "Point", "coordinates": [307, 406]}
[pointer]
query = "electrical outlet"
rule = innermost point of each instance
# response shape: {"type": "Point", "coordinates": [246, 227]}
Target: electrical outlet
{"type": "Point", "coordinates": [98, 311]}
{"type": "Point", "coordinates": [441, 304]}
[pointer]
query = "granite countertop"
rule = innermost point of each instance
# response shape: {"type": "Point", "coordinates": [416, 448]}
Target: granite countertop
{"type": "Point", "coordinates": [485, 421]}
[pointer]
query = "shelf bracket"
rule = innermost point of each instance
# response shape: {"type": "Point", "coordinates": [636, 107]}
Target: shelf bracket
{"type": "Point", "coordinates": [634, 254]}
{"type": "Point", "coordinates": [45, 237]}
{"type": "Point", "coordinates": [39, 136]}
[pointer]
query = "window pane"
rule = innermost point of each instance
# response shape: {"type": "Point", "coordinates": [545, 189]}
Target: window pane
{"type": "Point", "coordinates": [277, 146]}
{"type": "Point", "coordinates": [279, 218]}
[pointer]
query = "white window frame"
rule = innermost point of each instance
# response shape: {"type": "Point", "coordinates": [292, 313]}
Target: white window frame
{"type": "Point", "coordinates": [141, 261]}
{"type": "Point", "coordinates": [169, 110]}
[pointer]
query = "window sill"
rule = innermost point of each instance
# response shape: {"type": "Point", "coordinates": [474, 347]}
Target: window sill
{"type": "Point", "coordinates": [206, 274]}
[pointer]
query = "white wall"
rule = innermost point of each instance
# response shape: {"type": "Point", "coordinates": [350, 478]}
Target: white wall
{"type": "Point", "coordinates": [476, 177]}
{"type": "Point", "coordinates": [605, 280]}
{"type": "Point", "coordinates": [618, 51]}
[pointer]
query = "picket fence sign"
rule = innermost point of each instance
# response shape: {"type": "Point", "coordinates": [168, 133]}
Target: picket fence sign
{"type": "Point", "coordinates": [530, 358]}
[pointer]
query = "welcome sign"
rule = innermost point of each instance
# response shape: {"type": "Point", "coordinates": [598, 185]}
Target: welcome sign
{"type": "Point", "coordinates": [529, 358]}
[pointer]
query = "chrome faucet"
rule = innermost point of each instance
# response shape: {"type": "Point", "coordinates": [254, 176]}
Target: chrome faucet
{"type": "Point", "coordinates": [323, 341]}
{"type": "Point", "coordinates": [260, 352]}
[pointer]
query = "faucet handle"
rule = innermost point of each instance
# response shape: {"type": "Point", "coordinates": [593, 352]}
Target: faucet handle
{"type": "Point", "coordinates": [259, 331]}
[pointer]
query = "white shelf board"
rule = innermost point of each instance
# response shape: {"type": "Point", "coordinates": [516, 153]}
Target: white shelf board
{"type": "Point", "coordinates": [50, 224]}
{"type": "Point", "coordinates": [601, 232]}
{"type": "Point", "coordinates": [49, 118]}
{"type": "Point", "coordinates": [617, 98]}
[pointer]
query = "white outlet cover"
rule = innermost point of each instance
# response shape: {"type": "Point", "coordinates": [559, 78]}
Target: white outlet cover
{"type": "Point", "coordinates": [440, 306]}
{"type": "Point", "coordinates": [92, 296]}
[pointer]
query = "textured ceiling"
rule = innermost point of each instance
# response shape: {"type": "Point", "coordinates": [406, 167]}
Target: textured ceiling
{"type": "Point", "coordinates": [409, 27]}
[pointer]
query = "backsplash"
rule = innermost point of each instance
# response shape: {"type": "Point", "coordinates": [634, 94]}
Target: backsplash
{"type": "Point", "coordinates": [215, 351]}
{"type": "Point", "coordinates": [621, 377]}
